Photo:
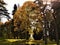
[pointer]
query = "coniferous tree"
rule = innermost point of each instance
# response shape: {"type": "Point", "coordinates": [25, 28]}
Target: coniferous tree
{"type": "Point", "coordinates": [15, 8]}
{"type": "Point", "coordinates": [3, 14]}
{"type": "Point", "coordinates": [3, 10]}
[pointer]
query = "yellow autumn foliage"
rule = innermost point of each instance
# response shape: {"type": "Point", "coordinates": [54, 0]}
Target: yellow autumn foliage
{"type": "Point", "coordinates": [29, 10]}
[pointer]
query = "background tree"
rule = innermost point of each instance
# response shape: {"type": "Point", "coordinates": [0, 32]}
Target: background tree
{"type": "Point", "coordinates": [1, 29]}
{"type": "Point", "coordinates": [9, 27]}
{"type": "Point", "coordinates": [56, 22]}
{"type": "Point", "coordinates": [47, 18]}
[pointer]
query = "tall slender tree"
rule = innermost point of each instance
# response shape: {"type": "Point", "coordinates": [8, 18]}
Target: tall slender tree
{"type": "Point", "coordinates": [15, 8]}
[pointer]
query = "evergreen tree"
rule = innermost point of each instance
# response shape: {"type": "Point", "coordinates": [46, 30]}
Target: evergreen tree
{"type": "Point", "coordinates": [3, 10]}
{"type": "Point", "coordinates": [15, 8]}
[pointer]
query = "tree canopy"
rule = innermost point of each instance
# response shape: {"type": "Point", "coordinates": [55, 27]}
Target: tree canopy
{"type": "Point", "coordinates": [27, 14]}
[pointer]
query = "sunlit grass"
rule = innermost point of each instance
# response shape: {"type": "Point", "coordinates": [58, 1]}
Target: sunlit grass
{"type": "Point", "coordinates": [14, 40]}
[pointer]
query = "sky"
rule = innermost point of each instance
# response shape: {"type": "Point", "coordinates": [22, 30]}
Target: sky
{"type": "Point", "coordinates": [10, 4]}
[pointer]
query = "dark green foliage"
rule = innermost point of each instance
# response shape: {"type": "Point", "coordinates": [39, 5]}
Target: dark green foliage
{"type": "Point", "coordinates": [3, 10]}
{"type": "Point", "coordinates": [15, 8]}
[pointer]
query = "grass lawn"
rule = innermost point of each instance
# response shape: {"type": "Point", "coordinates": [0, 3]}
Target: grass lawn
{"type": "Point", "coordinates": [23, 42]}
